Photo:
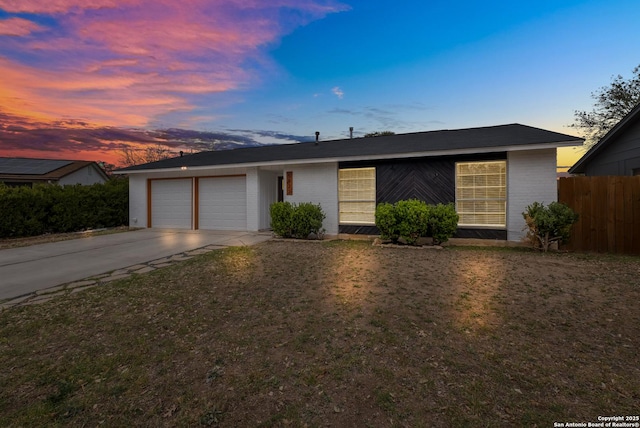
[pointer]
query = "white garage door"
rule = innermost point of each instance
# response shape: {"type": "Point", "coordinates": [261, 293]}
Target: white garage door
{"type": "Point", "coordinates": [171, 203]}
{"type": "Point", "coordinates": [222, 203]}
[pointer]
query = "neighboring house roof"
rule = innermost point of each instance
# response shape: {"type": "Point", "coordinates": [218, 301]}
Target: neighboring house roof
{"type": "Point", "coordinates": [25, 169]}
{"type": "Point", "coordinates": [431, 143]}
{"type": "Point", "coordinates": [632, 117]}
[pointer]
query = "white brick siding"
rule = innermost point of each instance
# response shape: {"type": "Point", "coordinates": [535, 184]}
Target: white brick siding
{"type": "Point", "coordinates": [253, 198]}
{"type": "Point", "coordinates": [137, 201]}
{"type": "Point", "coordinates": [318, 184]}
{"type": "Point", "coordinates": [268, 195]}
{"type": "Point", "coordinates": [262, 191]}
{"type": "Point", "coordinates": [531, 176]}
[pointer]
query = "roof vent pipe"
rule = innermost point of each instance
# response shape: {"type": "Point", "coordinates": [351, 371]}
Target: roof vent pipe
{"type": "Point", "coordinates": [351, 132]}
{"type": "Point", "coordinates": [317, 136]}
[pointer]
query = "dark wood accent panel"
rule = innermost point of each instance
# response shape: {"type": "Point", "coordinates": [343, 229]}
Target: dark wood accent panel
{"type": "Point", "coordinates": [499, 234]}
{"type": "Point", "coordinates": [149, 225]}
{"type": "Point", "coordinates": [432, 181]}
{"type": "Point", "coordinates": [196, 203]}
{"type": "Point", "coordinates": [460, 233]}
{"type": "Point", "coordinates": [289, 182]}
{"type": "Point", "coordinates": [358, 230]}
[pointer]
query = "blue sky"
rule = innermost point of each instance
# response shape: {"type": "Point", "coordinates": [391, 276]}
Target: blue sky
{"type": "Point", "coordinates": [242, 68]}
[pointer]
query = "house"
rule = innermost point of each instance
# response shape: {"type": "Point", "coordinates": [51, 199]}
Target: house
{"type": "Point", "coordinates": [490, 173]}
{"type": "Point", "coordinates": [617, 153]}
{"type": "Point", "coordinates": [27, 172]}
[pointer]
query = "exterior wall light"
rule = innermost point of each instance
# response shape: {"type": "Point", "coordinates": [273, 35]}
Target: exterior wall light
{"type": "Point", "coordinates": [184, 168]}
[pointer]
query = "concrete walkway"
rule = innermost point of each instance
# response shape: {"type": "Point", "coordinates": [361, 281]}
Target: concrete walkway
{"type": "Point", "coordinates": [27, 271]}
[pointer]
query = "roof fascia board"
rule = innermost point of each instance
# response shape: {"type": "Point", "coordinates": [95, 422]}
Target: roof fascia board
{"type": "Point", "coordinates": [468, 151]}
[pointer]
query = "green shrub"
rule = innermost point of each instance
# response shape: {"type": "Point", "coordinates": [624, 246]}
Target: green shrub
{"type": "Point", "coordinates": [282, 219]}
{"type": "Point", "coordinates": [296, 221]}
{"type": "Point", "coordinates": [52, 209]}
{"type": "Point", "coordinates": [24, 211]}
{"type": "Point", "coordinates": [307, 219]}
{"type": "Point", "coordinates": [443, 222]}
{"type": "Point", "coordinates": [386, 221]}
{"type": "Point", "coordinates": [413, 219]}
{"type": "Point", "coordinates": [549, 224]}
{"type": "Point", "coordinates": [114, 202]}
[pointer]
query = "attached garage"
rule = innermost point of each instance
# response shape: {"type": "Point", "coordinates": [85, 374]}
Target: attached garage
{"type": "Point", "coordinates": [171, 203]}
{"type": "Point", "coordinates": [222, 203]}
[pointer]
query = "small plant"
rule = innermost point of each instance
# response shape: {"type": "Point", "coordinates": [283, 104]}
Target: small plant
{"type": "Point", "coordinates": [443, 222]}
{"type": "Point", "coordinates": [282, 219]}
{"type": "Point", "coordinates": [297, 221]}
{"type": "Point", "coordinates": [386, 222]}
{"type": "Point", "coordinates": [413, 219]}
{"type": "Point", "coordinates": [549, 224]}
{"type": "Point", "coordinates": [307, 219]}
{"type": "Point", "coordinates": [212, 417]}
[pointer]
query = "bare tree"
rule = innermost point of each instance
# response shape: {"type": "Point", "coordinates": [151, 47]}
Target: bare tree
{"type": "Point", "coordinates": [612, 103]}
{"type": "Point", "coordinates": [130, 156]}
{"type": "Point", "coordinates": [379, 134]}
{"type": "Point", "coordinates": [106, 167]}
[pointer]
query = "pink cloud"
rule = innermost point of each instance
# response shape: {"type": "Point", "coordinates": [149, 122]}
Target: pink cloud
{"type": "Point", "coordinates": [130, 62]}
{"type": "Point", "coordinates": [58, 6]}
{"type": "Point", "coordinates": [18, 27]}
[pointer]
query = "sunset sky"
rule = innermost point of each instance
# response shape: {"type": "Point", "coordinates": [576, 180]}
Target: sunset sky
{"type": "Point", "coordinates": [81, 79]}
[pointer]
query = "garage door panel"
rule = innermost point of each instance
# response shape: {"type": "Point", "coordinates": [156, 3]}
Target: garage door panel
{"type": "Point", "coordinates": [222, 203]}
{"type": "Point", "coordinates": [171, 203]}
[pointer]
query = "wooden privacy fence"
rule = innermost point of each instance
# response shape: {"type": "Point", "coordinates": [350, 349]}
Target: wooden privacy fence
{"type": "Point", "coordinates": [609, 209]}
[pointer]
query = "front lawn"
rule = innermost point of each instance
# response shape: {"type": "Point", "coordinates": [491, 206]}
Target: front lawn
{"type": "Point", "coordinates": [333, 334]}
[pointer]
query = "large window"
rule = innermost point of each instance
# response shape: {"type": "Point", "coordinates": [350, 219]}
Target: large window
{"type": "Point", "coordinates": [357, 195]}
{"type": "Point", "coordinates": [481, 193]}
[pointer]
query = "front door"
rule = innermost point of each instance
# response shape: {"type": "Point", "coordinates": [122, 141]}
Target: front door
{"type": "Point", "coordinates": [280, 189]}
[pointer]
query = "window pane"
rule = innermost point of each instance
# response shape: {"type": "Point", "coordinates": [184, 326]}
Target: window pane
{"type": "Point", "coordinates": [481, 193]}
{"type": "Point", "coordinates": [357, 195]}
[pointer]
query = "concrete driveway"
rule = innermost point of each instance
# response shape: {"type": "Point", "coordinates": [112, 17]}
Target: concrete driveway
{"type": "Point", "coordinates": [28, 269]}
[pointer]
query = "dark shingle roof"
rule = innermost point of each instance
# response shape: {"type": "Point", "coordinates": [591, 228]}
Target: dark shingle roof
{"type": "Point", "coordinates": [24, 166]}
{"type": "Point", "coordinates": [393, 145]}
{"type": "Point", "coordinates": [26, 169]}
{"type": "Point", "coordinates": [628, 120]}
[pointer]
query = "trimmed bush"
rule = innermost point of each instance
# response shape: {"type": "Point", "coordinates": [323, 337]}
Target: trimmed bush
{"type": "Point", "coordinates": [54, 209]}
{"type": "Point", "coordinates": [443, 222]}
{"type": "Point", "coordinates": [282, 219]}
{"type": "Point", "coordinates": [412, 219]}
{"type": "Point", "coordinates": [307, 219]}
{"type": "Point", "coordinates": [386, 222]}
{"type": "Point", "coordinates": [296, 221]}
{"type": "Point", "coordinates": [548, 224]}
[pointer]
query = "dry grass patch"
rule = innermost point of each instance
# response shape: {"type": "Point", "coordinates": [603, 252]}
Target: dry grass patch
{"type": "Point", "coordinates": [338, 333]}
